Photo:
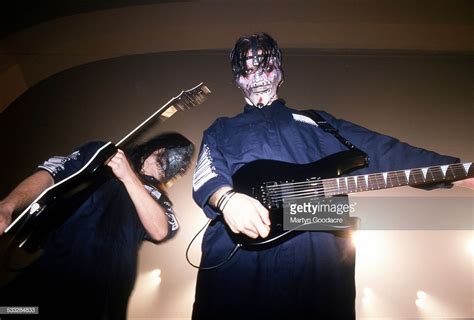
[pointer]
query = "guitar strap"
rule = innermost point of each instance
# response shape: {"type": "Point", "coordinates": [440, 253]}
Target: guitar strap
{"type": "Point", "coordinates": [327, 127]}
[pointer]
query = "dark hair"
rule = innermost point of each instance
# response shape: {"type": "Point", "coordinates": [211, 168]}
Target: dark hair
{"type": "Point", "coordinates": [264, 42]}
{"type": "Point", "coordinates": [167, 141]}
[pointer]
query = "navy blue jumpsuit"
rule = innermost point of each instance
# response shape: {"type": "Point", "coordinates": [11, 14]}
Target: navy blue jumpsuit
{"type": "Point", "coordinates": [310, 276]}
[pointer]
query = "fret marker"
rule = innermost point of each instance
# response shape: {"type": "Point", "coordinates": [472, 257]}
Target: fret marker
{"type": "Point", "coordinates": [355, 182]}
{"type": "Point", "coordinates": [169, 112]}
{"type": "Point", "coordinates": [425, 172]}
{"type": "Point", "coordinates": [366, 177]}
{"type": "Point", "coordinates": [407, 174]}
{"type": "Point", "coordinates": [338, 186]}
{"type": "Point", "coordinates": [467, 166]}
{"type": "Point", "coordinates": [345, 181]}
{"type": "Point", "coordinates": [385, 177]}
{"type": "Point", "coordinates": [444, 169]}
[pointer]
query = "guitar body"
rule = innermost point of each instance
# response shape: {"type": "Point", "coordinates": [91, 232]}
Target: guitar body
{"type": "Point", "coordinates": [254, 178]}
{"type": "Point", "coordinates": [21, 243]}
{"type": "Point", "coordinates": [271, 182]}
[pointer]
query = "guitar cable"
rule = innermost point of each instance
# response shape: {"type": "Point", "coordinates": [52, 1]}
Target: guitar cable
{"type": "Point", "coordinates": [227, 259]}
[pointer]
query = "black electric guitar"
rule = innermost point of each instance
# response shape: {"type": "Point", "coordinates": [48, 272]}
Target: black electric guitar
{"type": "Point", "coordinates": [21, 242]}
{"type": "Point", "coordinates": [273, 182]}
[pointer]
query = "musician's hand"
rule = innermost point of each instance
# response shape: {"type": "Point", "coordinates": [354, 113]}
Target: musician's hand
{"type": "Point", "coordinates": [121, 167]}
{"type": "Point", "coordinates": [247, 215]}
{"type": "Point", "coordinates": [466, 183]}
{"type": "Point", "coordinates": [5, 216]}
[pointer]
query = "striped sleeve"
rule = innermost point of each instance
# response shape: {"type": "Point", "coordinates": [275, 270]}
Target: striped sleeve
{"type": "Point", "coordinates": [173, 224]}
{"type": "Point", "coordinates": [211, 172]}
{"type": "Point", "coordinates": [61, 167]}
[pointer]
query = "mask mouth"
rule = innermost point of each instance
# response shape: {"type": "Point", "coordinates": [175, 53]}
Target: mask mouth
{"type": "Point", "coordinates": [262, 89]}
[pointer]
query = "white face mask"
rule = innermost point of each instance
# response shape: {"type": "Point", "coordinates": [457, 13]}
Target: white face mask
{"type": "Point", "coordinates": [260, 85]}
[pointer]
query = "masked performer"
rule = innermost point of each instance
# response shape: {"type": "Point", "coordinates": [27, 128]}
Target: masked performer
{"type": "Point", "coordinates": [89, 265]}
{"type": "Point", "coordinates": [310, 275]}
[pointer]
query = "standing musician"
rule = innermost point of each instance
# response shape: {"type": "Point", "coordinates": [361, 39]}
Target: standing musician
{"type": "Point", "coordinates": [310, 275]}
{"type": "Point", "coordinates": [89, 264]}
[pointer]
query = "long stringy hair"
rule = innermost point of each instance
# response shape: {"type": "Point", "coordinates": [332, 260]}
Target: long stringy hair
{"type": "Point", "coordinates": [264, 42]}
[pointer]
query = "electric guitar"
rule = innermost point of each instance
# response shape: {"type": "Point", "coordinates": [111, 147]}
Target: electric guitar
{"type": "Point", "coordinates": [275, 182]}
{"type": "Point", "coordinates": [21, 242]}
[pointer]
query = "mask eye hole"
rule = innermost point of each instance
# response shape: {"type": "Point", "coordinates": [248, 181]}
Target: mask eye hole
{"type": "Point", "coordinates": [269, 68]}
{"type": "Point", "coordinates": [248, 72]}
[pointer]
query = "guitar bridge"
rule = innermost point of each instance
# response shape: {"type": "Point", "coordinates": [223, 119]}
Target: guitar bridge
{"type": "Point", "coordinates": [269, 197]}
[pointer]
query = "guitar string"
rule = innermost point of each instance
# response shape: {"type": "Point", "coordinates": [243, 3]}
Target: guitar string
{"type": "Point", "coordinates": [296, 190]}
{"type": "Point", "coordinates": [276, 196]}
{"type": "Point", "coordinates": [378, 177]}
{"type": "Point", "coordinates": [390, 174]}
{"type": "Point", "coordinates": [374, 180]}
{"type": "Point", "coordinates": [347, 186]}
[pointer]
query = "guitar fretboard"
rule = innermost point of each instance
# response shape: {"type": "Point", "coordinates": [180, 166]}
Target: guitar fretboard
{"type": "Point", "coordinates": [392, 179]}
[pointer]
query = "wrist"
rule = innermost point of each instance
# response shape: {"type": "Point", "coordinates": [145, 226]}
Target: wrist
{"type": "Point", "coordinates": [129, 176]}
{"type": "Point", "coordinates": [212, 201]}
{"type": "Point", "coordinates": [224, 199]}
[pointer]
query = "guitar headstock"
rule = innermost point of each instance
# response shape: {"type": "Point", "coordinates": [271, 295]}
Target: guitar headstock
{"type": "Point", "coordinates": [186, 100]}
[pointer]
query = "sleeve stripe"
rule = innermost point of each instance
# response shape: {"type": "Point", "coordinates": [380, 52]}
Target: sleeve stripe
{"type": "Point", "coordinates": [205, 170]}
{"type": "Point", "coordinates": [172, 220]}
{"type": "Point", "coordinates": [305, 119]}
{"type": "Point", "coordinates": [55, 164]}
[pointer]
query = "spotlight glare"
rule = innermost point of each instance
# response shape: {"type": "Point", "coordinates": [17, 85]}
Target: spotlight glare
{"type": "Point", "coordinates": [470, 246]}
{"type": "Point", "coordinates": [367, 295]}
{"type": "Point", "coordinates": [356, 238]}
{"type": "Point", "coordinates": [421, 295]}
{"type": "Point", "coordinates": [420, 303]}
{"type": "Point", "coordinates": [368, 292]}
{"type": "Point", "coordinates": [156, 273]}
{"type": "Point", "coordinates": [366, 244]}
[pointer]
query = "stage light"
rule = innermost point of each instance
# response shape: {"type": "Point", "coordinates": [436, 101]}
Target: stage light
{"type": "Point", "coordinates": [421, 301]}
{"type": "Point", "coordinates": [421, 295]}
{"type": "Point", "coordinates": [359, 239]}
{"type": "Point", "coordinates": [368, 292]}
{"type": "Point", "coordinates": [366, 244]}
{"type": "Point", "coordinates": [364, 239]}
{"type": "Point", "coordinates": [156, 275]}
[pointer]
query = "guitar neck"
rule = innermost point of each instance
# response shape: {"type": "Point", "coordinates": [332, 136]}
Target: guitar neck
{"type": "Point", "coordinates": [185, 100]}
{"type": "Point", "coordinates": [393, 179]}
